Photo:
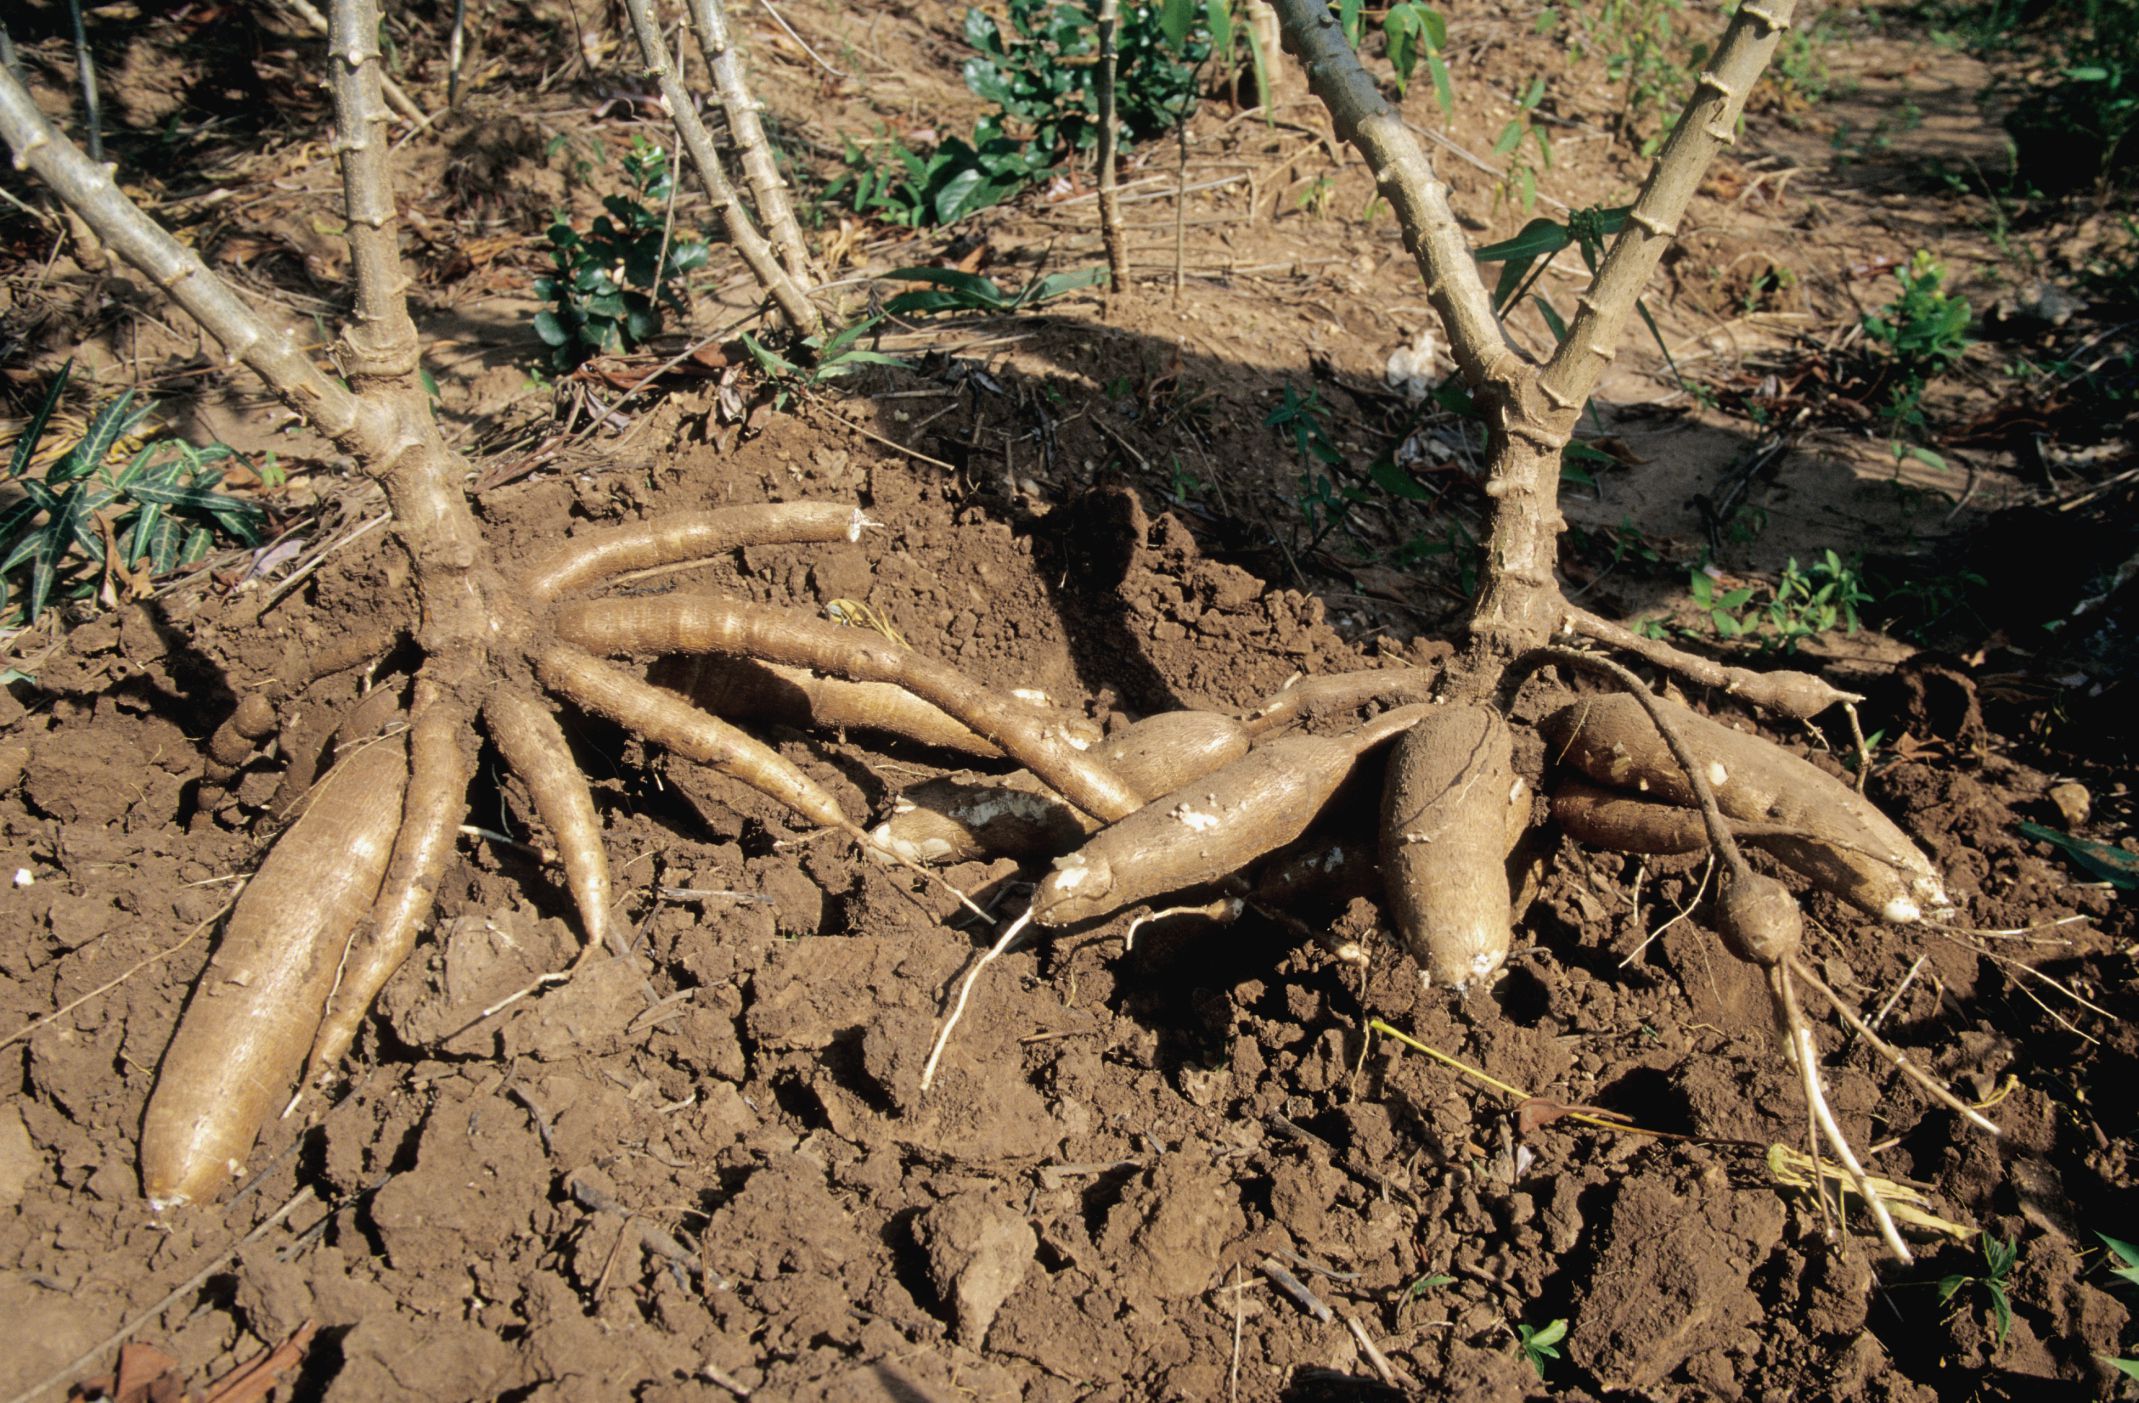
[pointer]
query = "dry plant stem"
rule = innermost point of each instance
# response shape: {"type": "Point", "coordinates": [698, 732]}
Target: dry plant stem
{"type": "Point", "coordinates": [381, 330]}
{"type": "Point", "coordinates": [1797, 694]}
{"type": "Point", "coordinates": [787, 293]}
{"type": "Point", "coordinates": [703, 623]}
{"type": "Point", "coordinates": [746, 134]}
{"type": "Point", "coordinates": [1110, 229]}
{"type": "Point", "coordinates": [666, 719]}
{"type": "Point", "coordinates": [402, 102]}
{"type": "Point", "coordinates": [87, 188]}
{"type": "Point", "coordinates": [1708, 124]}
{"type": "Point", "coordinates": [441, 765]}
{"type": "Point", "coordinates": [594, 557]}
{"type": "Point", "coordinates": [1407, 181]}
{"type": "Point", "coordinates": [534, 745]}
{"type": "Point", "coordinates": [1806, 1054]}
{"type": "Point", "coordinates": [1936, 1089]}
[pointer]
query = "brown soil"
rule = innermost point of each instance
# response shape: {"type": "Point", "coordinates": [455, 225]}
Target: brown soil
{"type": "Point", "coordinates": [710, 1168]}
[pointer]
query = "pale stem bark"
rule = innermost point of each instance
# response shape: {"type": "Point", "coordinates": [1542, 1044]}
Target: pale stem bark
{"type": "Point", "coordinates": [399, 99]}
{"type": "Point", "coordinates": [382, 337]}
{"type": "Point", "coordinates": [1407, 181]}
{"type": "Point", "coordinates": [1110, 229]}
{"type": "Point", "coordinates": [175, 270]}
{"type": "Point", "coordinates": [1708, 124]}
{"type": "Point", "coordinates": [753, 149]}
{"type": "Point", "coordinates": [764, 264]}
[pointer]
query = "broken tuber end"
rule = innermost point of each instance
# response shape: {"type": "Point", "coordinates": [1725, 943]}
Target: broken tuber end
{"type": "Point", "coordinates": [1758, 918]}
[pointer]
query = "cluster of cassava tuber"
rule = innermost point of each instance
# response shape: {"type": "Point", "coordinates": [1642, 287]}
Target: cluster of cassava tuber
{"type": "Point", "coordinates": [1171, 803]}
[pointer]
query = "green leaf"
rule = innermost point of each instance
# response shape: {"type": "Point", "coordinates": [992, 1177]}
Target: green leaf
{"type": "Point", "coordinates": [1176, 18]}
{"type": "Point", "coordinates": [982, 292]}
{"type": "Point", "coordinates": [1059, 284]}
{"type": "Point", "coordinates": [111, 423]}
{"type": "Point", "coordinates": [1950, 1286]}
{"type": "Point", "coordinates": [550, 329]}
{"type": "Point", "coordinates": [32, 432]}
{"type": "Point", "coordinates": [2001, 1307]}
{"type": "Point", "coordinates": [2127, 1367]}
{"type": "Point", "coordinates": [1444, 92]}
{"type": "Point", "coordinates": [1537, 239]}
{"type": "Point", "coordinates": [1396, 482]}
{"type": "Point", "coordinates": [1218, 19]}
{"type": "Point", "coordinates": [2113, 865]}
{"type": "Point", "coordinates": [1552, 319]}
{"type": "Point", "coordinates": [770, 362]}
{"type": "Point", "coordinates": [2125, 1253]}
{"type": "Point", "coordinates": [1348, 17]}
{"type": "Point", "coordinates": [1551, 1335]}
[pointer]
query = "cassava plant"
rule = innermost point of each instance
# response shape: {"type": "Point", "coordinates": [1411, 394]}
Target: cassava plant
{"type": "Point", "coordinates": [1184, 804]}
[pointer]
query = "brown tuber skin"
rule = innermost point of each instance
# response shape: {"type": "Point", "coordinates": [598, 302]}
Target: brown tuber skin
{"type": "Point", "coordinates": [1808, 818]}
{"type": "Point", "coordinates": [1210, 828]}
{"type": "Point", "coordinates": [960, 818]}
{"type": "Point", "coordinates": [1758, 918]}
{"type": "Point", "coordinates": [742, 689]}
{"type": "Point", "coordinates": [243, 1040]}
{"type": "Point", "coordinates": [1446, 809]}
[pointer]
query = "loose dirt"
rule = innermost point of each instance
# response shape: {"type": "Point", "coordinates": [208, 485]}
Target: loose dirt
{"type": "Point", "coordinates": [709, 1169]}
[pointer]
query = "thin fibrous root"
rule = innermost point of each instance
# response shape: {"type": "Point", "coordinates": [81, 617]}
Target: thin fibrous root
{"type": "Point", "coordinates": [706, 623]}
{"type": "Point", "coordinates": [593, 557]}
{"type": "Point", "coordinates": [1805, 1053]}
{"type": "Point", "coordinates": [441, 763]}
{"type": "Point", "coordinates": [1932, 1086]}
{"type": "Point", "coordinates": [965, 992]}
{"type": "Point", "coordinates": [534, 746]}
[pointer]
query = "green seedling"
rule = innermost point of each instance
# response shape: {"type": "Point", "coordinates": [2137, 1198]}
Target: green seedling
{"type": "Point", "coordinates": [952, 291]}
{"type": "Point", "coordinates": [1527, 149]}
{"type": "Point", "coordinates": [612, 281]}
{"type": "Point", "coordinates": [2126, 1271]}
{"type": "Point", "coordinates": [829, 358]}
{"type": "Point", "coordinates": [1920, 334]}
{"type": "Point", "coordinates": [95, 512]}
{"type": "Point", "coordinates": [1541, 1343]}
{"type": "Point", "coordinates": [1999, 1254]}
{"type": "Point", "coordinates": [2099, 860]}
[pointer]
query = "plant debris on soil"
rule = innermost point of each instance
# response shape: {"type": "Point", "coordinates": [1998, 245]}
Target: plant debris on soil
{"type": "Point", "coordinates": [1179, 1167]}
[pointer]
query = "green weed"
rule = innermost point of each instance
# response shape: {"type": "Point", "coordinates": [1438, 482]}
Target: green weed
{"type": "Point", "coordinates": [1804, 603]}
{"type": "Point", "coordinates": [1999, 1254]}
{"type": "Point", "coordinates": [829, 358]}
{"type": "Point", "coordinates": [612, 281]}
{"type": "Point", "coordinates": [97, 512]}
{"type": "Point", "coordinates": [1541, 1343]}
{"type": "Point", "coordinates": [1919, 335]}
{"type": "Point", "coordinates": [952, 291]}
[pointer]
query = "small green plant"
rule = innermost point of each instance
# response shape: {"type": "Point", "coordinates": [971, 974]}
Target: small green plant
{"type": "Point", "coordinates": [1805, 603]}
{"type": "Point", "coordinates": [612, 281]}
{"type": "Point", "coordinates": [1920, 334]}
{"type": "Point", "coordinates": [1541, 1343]}
{"type": "Point", "coordinates": [1314, 200]}
{"type": "Point", "coordinates": [1526, 148]}
{"type": "Point", "coordinates": [2126, 1271]}
{"type": "Point", "coordinates": [1647, 53]}
{"type": "Point", "coordinates": [952, 291]}
{"type": "Point", "coordinates": [97, 513]}
{"type": "Point", "coordinates": [1999, 1254]}
{"type": "Point", "coordinates": [1038, 73]}
{"type": "Point", "coordinates": [829, 357]}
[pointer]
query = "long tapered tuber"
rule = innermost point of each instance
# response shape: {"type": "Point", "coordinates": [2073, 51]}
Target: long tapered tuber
{"type": "Point", "coordinates": [1444, 844]}
{"type": "Point", "coordinates": [242, 1041]}
{"type": "Point", "coordinates": [703, 623]}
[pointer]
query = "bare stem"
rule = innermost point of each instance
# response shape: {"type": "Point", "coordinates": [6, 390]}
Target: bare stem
{"type": "Point", "coordinates": [382, 338]}
{"type": "Point", "coordinates": [753, 150]}
{"type": "Point", "coordinates": [1708, 124]}
{"type": "Point", "coordinates": [1407, 181]}
{"type": "Point", "coordinates": [88, 189]}
{"type": "Point", "coordinates": [786, 292]}
{"type": "Point", "coordinates": [1110, 229]}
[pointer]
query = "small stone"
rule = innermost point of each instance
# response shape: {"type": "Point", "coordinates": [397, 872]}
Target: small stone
{"type": "Point", "coordinates": [2073, 802]}
{"type": "Point", "coordinates": [978, 1253]}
